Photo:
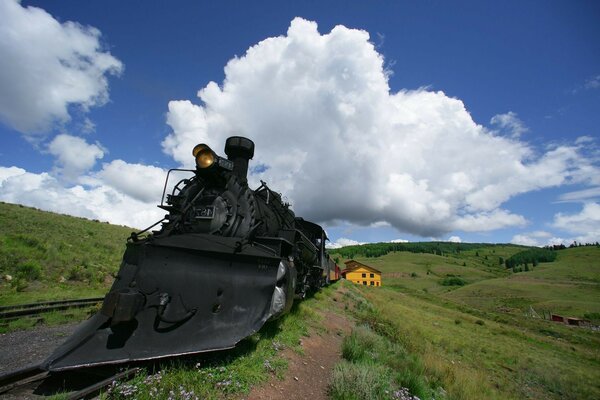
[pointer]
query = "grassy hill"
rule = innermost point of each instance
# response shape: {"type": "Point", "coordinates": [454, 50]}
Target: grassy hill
{"type": "Point", "coordinates": [474, 339]}
{"type": "Point", "coordinates": [478, 277]}
{"type": "Point", "coordinates": [568, 286]}
{"type": "Point", "coordinates": [52, 256]}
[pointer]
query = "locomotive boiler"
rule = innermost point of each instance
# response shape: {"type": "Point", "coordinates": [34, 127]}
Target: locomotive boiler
{"type": "Point", "coordinates": [225, 260]}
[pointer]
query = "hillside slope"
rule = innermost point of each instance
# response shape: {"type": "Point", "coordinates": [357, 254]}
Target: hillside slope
{"type": "Point", "coordinates": [474, 339]}
{"type": "Point", "coordinates": [50, 256]}
{"type": "Point", "coordinates": [570, 285]}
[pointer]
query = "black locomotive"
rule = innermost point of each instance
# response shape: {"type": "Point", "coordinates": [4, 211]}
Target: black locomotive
{"type": "Point", "coordinates": [225, 260]}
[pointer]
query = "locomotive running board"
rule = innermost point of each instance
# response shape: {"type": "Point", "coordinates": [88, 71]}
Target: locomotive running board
{"type": "Point", "coordinates": [174, 296]}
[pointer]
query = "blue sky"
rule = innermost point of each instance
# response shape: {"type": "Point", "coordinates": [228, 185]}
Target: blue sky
{"type": "Point", "coordinates": [479, 120]}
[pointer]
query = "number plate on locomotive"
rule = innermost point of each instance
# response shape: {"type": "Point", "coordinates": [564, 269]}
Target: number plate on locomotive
{"type": "Point", "coordinates": [207, 212]}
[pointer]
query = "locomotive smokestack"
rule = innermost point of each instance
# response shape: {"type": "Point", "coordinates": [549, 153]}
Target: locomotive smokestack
{"type": "Point", "coordinates": [239, 150]}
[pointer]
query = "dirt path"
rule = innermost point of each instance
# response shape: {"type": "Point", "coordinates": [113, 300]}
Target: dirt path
{"type": "Point", "coordinates": [308, 375]}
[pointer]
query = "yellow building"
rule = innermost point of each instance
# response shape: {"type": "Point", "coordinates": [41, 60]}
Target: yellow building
{"type": "Point", "coordinates": [361, 274]}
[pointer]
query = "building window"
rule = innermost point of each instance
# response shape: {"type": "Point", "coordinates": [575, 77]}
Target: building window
{"type": "Point", "coordinates": [364, 275]}
{"type": "Point", "coordinates": [372, 283]}
{"type": "Point", "coordinates": [372, 275]}
{"type": "Point", "coordinates": [364, 282]}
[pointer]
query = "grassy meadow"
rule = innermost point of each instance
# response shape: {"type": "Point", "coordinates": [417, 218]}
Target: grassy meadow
{"type": "Point", "coordinates": [48, 256]}
{"type": "Point", "coordinates": [474, 340]}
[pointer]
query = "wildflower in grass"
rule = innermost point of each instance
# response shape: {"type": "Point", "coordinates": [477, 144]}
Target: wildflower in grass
{"type": "Point", "coordinates": [404, 394]}
{"type": "Point", "coordinates": [127, 390]}
{"type": "Point", "coordinates": [151, 379]}
{"type": "Point", "coordinates": [224, 383]}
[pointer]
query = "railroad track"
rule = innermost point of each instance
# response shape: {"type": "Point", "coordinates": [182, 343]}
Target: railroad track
{"type": "Point", "coordinates": [8, 313]}
{"type": "Point", "coordinates": [35, 380]}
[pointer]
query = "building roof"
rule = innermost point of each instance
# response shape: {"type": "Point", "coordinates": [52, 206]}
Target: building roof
{"type": "Point", "coordinates": [353, 264]}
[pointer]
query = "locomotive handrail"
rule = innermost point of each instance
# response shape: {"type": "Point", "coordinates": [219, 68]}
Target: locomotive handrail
{"type": "Point", "coordinates": [162, 199]}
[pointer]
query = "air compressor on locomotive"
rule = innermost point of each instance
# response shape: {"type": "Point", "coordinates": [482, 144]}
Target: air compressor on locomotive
{"type": "Point", "coordinates": [225, 260]}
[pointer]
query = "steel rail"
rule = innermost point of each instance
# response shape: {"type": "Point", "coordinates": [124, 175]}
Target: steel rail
{"type": "Point", "coordinates": [47, 303]}
{"type": "Point", "coordinates": [37, 309]}
{"type": "Point", "coordinates": [97, 387]}
{"type": "Point", "coordinates": [15, 379]}
{"type": "Point", "coordinates": [20, 377]}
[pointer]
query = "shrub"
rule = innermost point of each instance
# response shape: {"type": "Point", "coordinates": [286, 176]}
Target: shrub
{"type": "Point", "coordinates": [360, 382]}
{"type": "Point", "coordinates": [29, 271]}
{"type": "Point", "coordinates": [80, 273]}
{"type": "Point", "coordinates": [594, 316]}
{"type": "Point", "coordinates": [359, 345]}
{"type": "Point", "coordinates": [19, 284]}
{"type": "Point", "coordinates": [453, 281]}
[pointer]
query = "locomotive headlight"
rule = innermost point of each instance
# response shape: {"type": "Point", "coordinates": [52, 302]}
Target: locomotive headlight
{"type": "Point", "coordinates": [205, 157]}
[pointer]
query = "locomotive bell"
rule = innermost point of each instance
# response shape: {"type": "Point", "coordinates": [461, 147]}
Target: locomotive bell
{"type": "Point", "coordinates": [239, 150]}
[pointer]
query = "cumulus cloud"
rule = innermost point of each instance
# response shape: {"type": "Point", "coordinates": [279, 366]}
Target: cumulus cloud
{"type": "Point", "coordinates": [509, 123]}
{"type": "Point", "coordinates": [537, 238]}
{"type": "Point", "coordinates": [584, 225]}
{"type": "Point", "coordinates": [341, 242]}
{"type": "Point", "coordinates": [100, 202]}
{"type": "Point", "coordinates": [581, 227]}
{"type": "Point", "coordinates": [47, 66]}
{"type": "Point", "coordinates": [141, 182]}
{"type": "Point", "coordinates": [343, 147]}
{"type": "Point", "coordinates": [455, 239]}
{"type": "Point", "coordinates": [74, 155]}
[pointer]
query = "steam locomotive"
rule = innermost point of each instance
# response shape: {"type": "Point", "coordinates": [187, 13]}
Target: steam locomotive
{"type": "Point", "coordinates": [225, 260]}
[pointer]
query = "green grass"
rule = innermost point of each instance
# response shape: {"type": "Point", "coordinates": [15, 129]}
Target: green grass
{"type": "Point", "coordinates": [479, 357]}
{"type": "Point", "coordinates": [426, 272]}
{"type": "Point", "coordinates": [474, 341]}
{"type": "Point", "coordinates": [569, 286]}
{"type": "Point", "coordinates": [51, 256]}
{"type": "Point", "coordinates": [49, 319]}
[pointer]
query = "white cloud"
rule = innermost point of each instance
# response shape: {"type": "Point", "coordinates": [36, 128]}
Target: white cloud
{"type": "Point", "coordinates": [581, 195]}
{"type": "Point", "coordinates": [141, 182]}
{"type": "Point", "coordinates": [341, 242]}
{"type": "Point", "coordinates": [487, 221]}
{"type": "Point", "coordinates": [47, 66]}
{"type": "Point", "coordinates": [98, 202]}
{"type": "Point", "coordinates": [536, 238]}
{"type": "Point", "coordinates": [74, 155]}
{"type": "Point", "coordinates": [399, 241]}
{"type": "Point", "coordinates": [585, 225]}
{"type": "Point", "coordinates": [509, 123]}
{"type": "Point", "coordinates": [455, 239]}
{"type": "Point", "coordinates": [582, 227]}
{"type": "Point", "coordinates": [343, 147]}
{"type": "Point", "coordinates": [593, 82]}
{"type": "Point", "coordinates": [525, 240]}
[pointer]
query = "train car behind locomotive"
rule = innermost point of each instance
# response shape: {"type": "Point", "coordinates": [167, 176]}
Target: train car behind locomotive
{"type": "Point", "coordinates": [225, 260]}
